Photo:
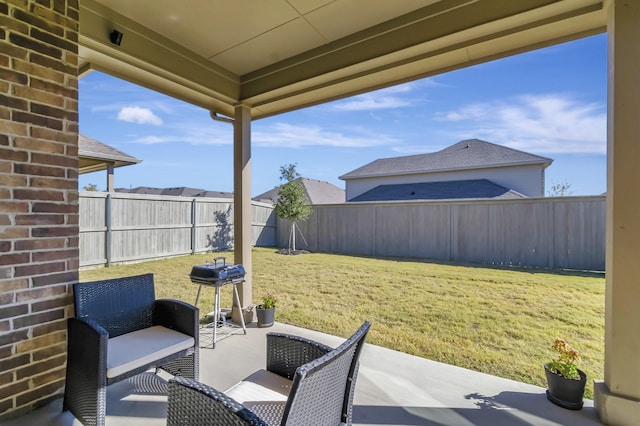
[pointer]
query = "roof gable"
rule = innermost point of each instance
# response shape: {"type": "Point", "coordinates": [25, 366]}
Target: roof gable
{"type": "Point", "coordinates": [467, 154]}
{"type": "Point", "coordinates": [318, 192]}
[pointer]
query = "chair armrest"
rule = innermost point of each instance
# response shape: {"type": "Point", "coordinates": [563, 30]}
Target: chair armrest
{"type": "Point", "coordinates": [177, 315]}
{"type": "Point", "coordinates": [86, 367]}
{"type": "Point", "coordinates": [285, 353]}
{"type": "Point", "coordinates": [193, 403]}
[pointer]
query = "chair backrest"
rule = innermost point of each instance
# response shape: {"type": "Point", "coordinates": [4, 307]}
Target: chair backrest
{"type": "Point", "coordinates": [322, 389]}
{"type": "Point", "coordinates": [119, 305]}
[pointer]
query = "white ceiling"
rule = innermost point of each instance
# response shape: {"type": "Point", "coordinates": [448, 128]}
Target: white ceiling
{"type": "Point", "coordinates": [279, 55]}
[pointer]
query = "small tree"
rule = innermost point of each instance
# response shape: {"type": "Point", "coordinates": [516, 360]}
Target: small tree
{"type": "Point", "coordinates": [292, 201]}
{"type": "Point", "coordinates": [90, 187]}
{"type": "Point", "coordinates": [560, 189]}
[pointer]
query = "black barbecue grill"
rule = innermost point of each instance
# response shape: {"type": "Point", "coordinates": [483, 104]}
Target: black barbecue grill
{"type": "Point", "coordinates": [218, 274]}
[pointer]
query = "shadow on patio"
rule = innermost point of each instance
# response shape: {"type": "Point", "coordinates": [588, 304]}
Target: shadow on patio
{"type": "Point", "coordinates": [393, 388]}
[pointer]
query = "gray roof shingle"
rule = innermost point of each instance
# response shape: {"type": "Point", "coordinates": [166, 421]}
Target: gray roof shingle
{"type": "Point", "coordinates": [94, 155]}
{"type": "Point", "coordinates": [460, 189]}
{"type": "Point", "coordinates": [467, 154]}
{"type": "Point", "coordinates": [318, 192]}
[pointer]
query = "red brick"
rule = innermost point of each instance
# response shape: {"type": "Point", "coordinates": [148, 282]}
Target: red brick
{"type": "Point", "coordinates": [69, 276]}
{"type": "Point", "coordinates": [11, 363]}
{"type": "Point", "coordinates": [13, 155]}
{"type": "Point", "coordinates": [57, 160]}
{"type": "Point", "coordinates": [14, 258]}
{"type": "Point", "coordinates": [11, 127]}
{"type": "Point", "coordinates": [33, 144]}
{"type": "Point", "coordinates": [49, 376]}
{"type": "Point", "coordinates": [14, 180]}
{"type": "Point", "coordinates": [55, 231]}
{"type": "Point", "coordinates": [13, 206]}
{"type": "Point", "coordinates": [38, 194]}
{"type": "Point", "coordinates": [39, 269]}
{"type": "Point", "coordinates": [5, 246]}
{"type": "Point", "coordinates": [39, 318]}
{"type": "Point", "coordinates": [50, 87]}
{"type": "Point", "coordinates": [14, 103]}
{"type": "Point", "coordinates": [5, 326]}
{"type": "Point", "coordinates": [9, 338]}
{"type": "Point", "coordinates": [7, 298]}
{"type": "Point", "coordinates": [52, 135]}
{"type": "Point", "coordinates": [39, 219]}
{"type": "Point", "coordinates": [44, 24]}
{"type": "Point", "coordinates": [47, 256]}
{"type": "Point", "coordinates": [49, 352]}
{"type": "Point", "coordinates": [13, 311]}
{"type": "Point", "coordinates": [26, 92]}
{"type": "Point", "coordinates": [14, 232]}
{"type": "Point", "coordinates": [34, 45]}
{"type": "Point", "coordinates": [53, 208]}
{"type": "Point", "coordinates": [53, 40]}
{"type": "Point", "coordinates": [12, 389]}
{"type": "Point", "coordinates": [38, 120]}
{"type": "Point", "coordinates": [60, 302]}
{"type": "Point", "coordinates": [40, 342]}
{"type": "Point", "coordinates": [39, 170]}
{"type": "Point", "coordinates": [40, 393]}
{"type": "Point", "coordinates": [13, 76]}
{"type": "Point", "coordinates": [18, 284]}
{"type": "Point", "coordinates": [40, 244]}
{"type": "Point", "coordinates": [50, 111]}
{"type": "Point", "coordinates": [50, 327]}
{"type": "Point", "coordinates": [39, 293]}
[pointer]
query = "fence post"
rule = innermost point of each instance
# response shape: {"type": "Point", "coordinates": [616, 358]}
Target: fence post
{"type": "Point", "coordinates": [108, 237]}
{"type": "Point", "coordinates": [193, 226]}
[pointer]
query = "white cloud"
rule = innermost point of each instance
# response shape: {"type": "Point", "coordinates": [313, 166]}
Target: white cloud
{"type": "Point", "coordinates": [381, 99]}
{"type": "Point", "coordinates": [539, 123]}
{"type": "Point", "coordinates": [298, 136]}
{"type": "Point", "coordinates": [136, 114]}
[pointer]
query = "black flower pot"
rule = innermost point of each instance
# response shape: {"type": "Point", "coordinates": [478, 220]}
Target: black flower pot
{"type": "Point", "coordinates": [566, 393]}
{"type": "Point", "coordinates": [265, 316]}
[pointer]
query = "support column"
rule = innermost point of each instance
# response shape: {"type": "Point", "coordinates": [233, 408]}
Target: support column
{"type": "Point", "coordinates": [617, 398]}
{"type": "Point", "coordinates": [110, 187]}
{"type": "Point", "coordinates": [242, 202]}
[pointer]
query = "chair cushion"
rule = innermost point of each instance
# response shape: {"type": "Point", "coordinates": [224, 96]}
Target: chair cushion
{"type": "Point", "coordinates": [260, 386]}
{"type": "Point", "coordinates": [142, 347]}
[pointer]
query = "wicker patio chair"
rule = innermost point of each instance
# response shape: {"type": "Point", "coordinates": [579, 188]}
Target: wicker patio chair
{"type": "Point", "coordinates": [306, 383]}
{"type": "Point", "coordinates": [121, 330]}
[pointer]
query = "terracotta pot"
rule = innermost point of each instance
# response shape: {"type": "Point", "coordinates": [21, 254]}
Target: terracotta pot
{"type": "Point", "coordinates": [566, 393]}
{"type": "Point", "coordinates": [265, 316]}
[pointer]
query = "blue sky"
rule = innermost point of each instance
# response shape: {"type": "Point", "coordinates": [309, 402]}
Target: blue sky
{"type": "Point", "coordinates": [550, 102]}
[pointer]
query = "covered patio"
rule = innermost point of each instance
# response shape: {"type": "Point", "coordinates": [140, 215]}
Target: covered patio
{"type": "Point", "coordinates": [245, 60]}
{"type": "Point", "coordinates": [393, 388]}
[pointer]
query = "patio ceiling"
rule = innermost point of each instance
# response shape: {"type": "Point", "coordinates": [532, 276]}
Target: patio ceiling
{"type": "Point", "coordinates": [279, 55]}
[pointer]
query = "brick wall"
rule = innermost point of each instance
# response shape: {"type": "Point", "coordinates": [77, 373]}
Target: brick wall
{"type": "Point", "coordinates": [38, 196]}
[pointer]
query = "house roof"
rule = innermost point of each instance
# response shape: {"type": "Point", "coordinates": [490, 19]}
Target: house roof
{"type": "Point", "coordinates": [467, 154]}
{"type": "Point", "coordinates": [461, 189]}
{"type": "Point", "coordinates": [180, 191]}
{"type": "Point", "coordinates": [318, 192]}
{"type": "Point", "coordinates": [95, 155]}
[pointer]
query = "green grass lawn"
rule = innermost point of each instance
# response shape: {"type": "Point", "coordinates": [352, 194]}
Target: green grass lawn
{"type": "Point", "coordinates": [494, 320]}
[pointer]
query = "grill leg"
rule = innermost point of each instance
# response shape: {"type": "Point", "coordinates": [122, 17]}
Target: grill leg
{"type": "Point", "coordinates": [235, 294]}
{"type": "Point", "coordinates": [216, 315]}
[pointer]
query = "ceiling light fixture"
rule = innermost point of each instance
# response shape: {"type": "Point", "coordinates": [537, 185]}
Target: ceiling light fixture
{"type": "Point", "coordinates": [116, 37]}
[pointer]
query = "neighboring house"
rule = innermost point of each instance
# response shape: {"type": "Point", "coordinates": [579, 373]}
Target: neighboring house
{"type": "Point", "coordinates": [181, 191]}
{"type": "Point", "coordinates": [94, 156]}
{"type": "Point", "coordinates": [318, 192]}
{"type": "Point", "coordinates": [468, 169]}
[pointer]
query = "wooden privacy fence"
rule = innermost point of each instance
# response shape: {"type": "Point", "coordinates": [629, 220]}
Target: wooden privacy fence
{"type": "Point", "coordinates": [122, 227]}
{"type": "Point", "coordinates": [562, 232]}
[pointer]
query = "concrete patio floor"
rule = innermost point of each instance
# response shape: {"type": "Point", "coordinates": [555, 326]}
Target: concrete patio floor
{"type": "Point", "coordinates": [393, 388]}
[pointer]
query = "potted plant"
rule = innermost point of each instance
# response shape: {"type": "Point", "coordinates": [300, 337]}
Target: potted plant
{"type": "Point", "coordinates": [266, 310]}
{"type": "Point", "coordinates": [564, 380]}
